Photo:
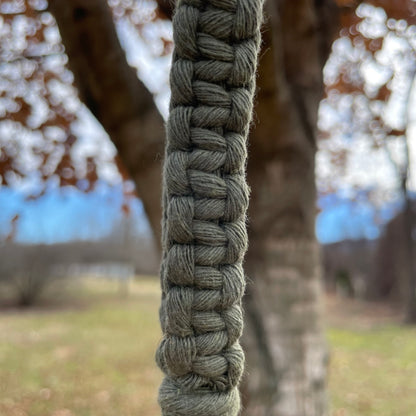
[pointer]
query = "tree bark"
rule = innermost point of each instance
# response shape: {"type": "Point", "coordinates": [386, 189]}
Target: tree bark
{"type": "Point", "coordinates": [409, 283]}
{"type": "Point", "coordinates": [284, 342]}
{"type": "Point", "coordinates": [408, 222]}
{"type": "Point", "coordinates": [109, 87]}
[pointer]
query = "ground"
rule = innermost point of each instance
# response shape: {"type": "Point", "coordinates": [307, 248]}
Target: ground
{"type": "Point", "coordinates": [94, 356]}
{"type": "Point", "coordinates": [373, 360]}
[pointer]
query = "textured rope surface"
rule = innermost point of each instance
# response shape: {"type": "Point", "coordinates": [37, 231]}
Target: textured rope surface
{"type": "Point", "coordinates": [205, 203]}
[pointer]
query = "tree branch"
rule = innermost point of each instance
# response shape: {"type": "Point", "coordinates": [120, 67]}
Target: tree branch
{"type": "Point", "coordinates": [109, 87]}
{"type": "Point", "coordinates": [166, 8]}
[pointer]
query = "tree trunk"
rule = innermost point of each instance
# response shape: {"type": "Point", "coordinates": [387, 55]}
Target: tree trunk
{"type": "Point", "coordinates": [408, 223]}
{"type": "Point", "coordinates": [409, 286]}
{"type": "Point", "coordinates": [284, 343]}
{"type": "Point", "coordinates": [109, 87]}
{"type": "Point", "coordinates": [285, 348]}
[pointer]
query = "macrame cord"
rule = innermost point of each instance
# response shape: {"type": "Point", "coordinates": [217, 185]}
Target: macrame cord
{"type": "Point", "coordinates": [205, 202]}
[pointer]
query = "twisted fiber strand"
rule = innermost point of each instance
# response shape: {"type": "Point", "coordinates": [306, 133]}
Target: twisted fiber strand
{"type": "Point", "coordinates": [205, 202]}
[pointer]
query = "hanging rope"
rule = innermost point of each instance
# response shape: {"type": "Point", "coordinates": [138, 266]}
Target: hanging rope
{"type": "Point", "coordinates": [205, 202]}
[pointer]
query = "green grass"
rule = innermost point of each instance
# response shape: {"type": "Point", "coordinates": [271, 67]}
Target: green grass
{"type": "Point", "coordinates": [95, 358]}
{"type": "Point", "coordinates": [95, 361]}
{"type": "Point", "coordinates": [373, 372]}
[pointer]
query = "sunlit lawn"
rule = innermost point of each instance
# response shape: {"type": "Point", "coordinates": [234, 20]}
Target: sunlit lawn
{"type": "Point", "coordinates": [96, 359]}
{"type": "Point", "coordinates": [88, 361]}
{"type": "Point", "coordinates": [373, 361]}
{"type": "Point", "coordinates": [373, 372]}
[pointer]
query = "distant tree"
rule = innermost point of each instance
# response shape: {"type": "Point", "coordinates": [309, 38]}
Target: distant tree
{"type": "Point", "coordinates": [351, 260]}
{"type": "Point", "coordinates": [389, 278]}
{"type": "Point", "coordinates": [369, 80]}
{"type": "Point", "coordinates": [25, 274]}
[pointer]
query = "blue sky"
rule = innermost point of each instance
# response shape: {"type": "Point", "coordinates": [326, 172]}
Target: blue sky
{"type": "Point", "coordinates": [67, 214]}
{"type": "Point", "coordinates": [64, 214]}
{"type": "Point", "coordinates": [343, 218]}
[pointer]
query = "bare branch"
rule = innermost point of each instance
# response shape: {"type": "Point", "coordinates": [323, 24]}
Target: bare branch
{"type": "Point", "coordinates": [113, 93]}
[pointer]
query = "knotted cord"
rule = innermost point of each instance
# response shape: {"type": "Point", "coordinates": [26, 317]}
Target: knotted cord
{"type": "Point", "coordinates": [205, 202]}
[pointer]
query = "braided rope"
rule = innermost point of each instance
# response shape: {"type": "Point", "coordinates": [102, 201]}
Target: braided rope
{"type": "Point", "coordinates": [205, 202]}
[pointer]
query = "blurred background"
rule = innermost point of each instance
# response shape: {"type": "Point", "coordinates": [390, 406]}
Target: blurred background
{"type": "Point", "coordinates": [331, 303]}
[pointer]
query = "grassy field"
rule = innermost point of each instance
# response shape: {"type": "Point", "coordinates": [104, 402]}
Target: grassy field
{"type": "Point", "coordinates": [373, 361]}
{"type": "Point", "coordinates": [95, 357]}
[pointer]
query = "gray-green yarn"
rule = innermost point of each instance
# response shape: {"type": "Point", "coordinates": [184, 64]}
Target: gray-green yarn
{"type": "Point", "coordinates": [205, 202]}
